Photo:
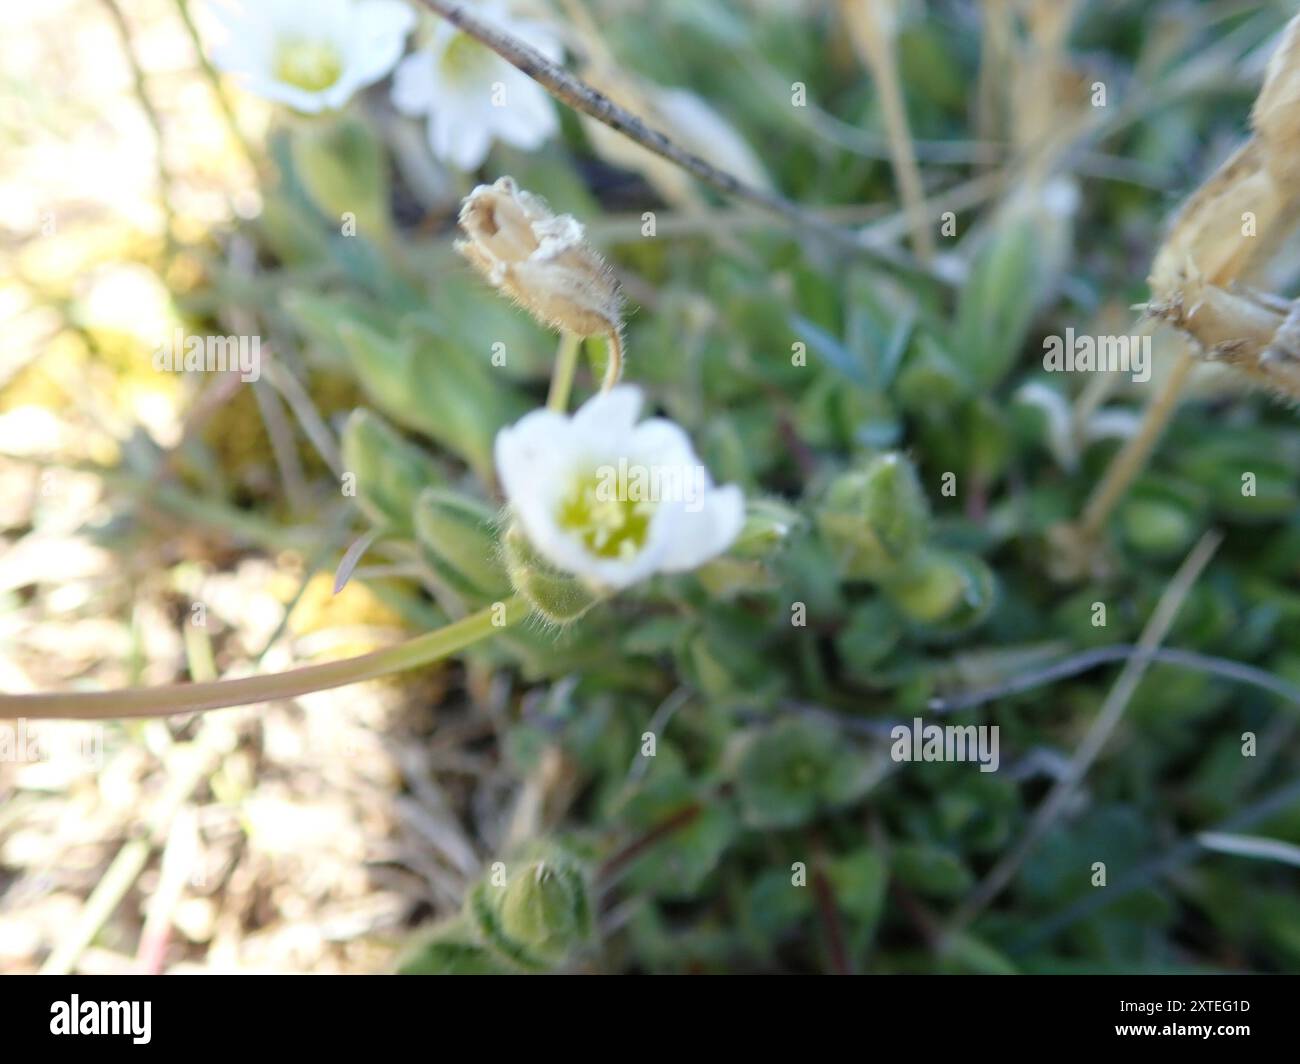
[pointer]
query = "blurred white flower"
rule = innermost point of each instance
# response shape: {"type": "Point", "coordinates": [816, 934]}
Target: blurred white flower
{"type": "Point", "coordinates": [312, 55]}
{"type": "Point", "coordinates": [473, 96]}
{"type": "Point", "coordinates": [610, 500]}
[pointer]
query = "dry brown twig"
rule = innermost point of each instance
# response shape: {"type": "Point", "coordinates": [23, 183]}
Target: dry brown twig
{"type": "Point", "coordinates": [1229, 228]}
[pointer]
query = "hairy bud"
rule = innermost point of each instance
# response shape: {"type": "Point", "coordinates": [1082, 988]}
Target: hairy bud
{"type": "Point", "coordinates": [540, 259]}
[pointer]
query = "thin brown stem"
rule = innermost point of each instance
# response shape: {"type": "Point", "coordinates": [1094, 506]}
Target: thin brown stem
{"type": "Point", "coordinates": [872, 35]}
{"type": "Point", "coordinates": [571, 90]}
{"type": "Point", "coordinates": [617, 863]}
{"type": "Point", "coordinates": [1131, 460]}
{"type": "Point", "coordinates": [832, 926]}
{"type": "Point", "coordinates": [614, 363]}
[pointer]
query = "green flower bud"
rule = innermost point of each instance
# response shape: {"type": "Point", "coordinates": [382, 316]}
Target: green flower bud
{"type": "Point", "coordinates": [558, 596]}
{"type": "Point", "coordinates": [1015, 270]}
{"type": "Point", "coordinates": [944, 589]}
{"type": "Point", "coordinates": [458, 533]}
{"type": "Point", "coordinates": [540, 916]}
{"type": "Point", "coordinates": [874, 519]}
{"type": "Point", "coordinates": [389, 471]}
{"type": "Point", "coordinates": [744, 567]}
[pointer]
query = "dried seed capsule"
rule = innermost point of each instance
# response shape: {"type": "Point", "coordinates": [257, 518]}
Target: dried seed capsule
{"type": "Point", "coordinates": [540, 259]}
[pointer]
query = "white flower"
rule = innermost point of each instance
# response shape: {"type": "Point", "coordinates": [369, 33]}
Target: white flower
{"type": "Point", "coordinates": [312, 55]}
{"type": "Point", "coordinates": [472, 95]}
{"type": "Point", "coordinates": [610, 500]}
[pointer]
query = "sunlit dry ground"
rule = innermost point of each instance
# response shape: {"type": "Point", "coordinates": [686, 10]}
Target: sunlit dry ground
{"type": "Point", "coordinates": [303, 837]}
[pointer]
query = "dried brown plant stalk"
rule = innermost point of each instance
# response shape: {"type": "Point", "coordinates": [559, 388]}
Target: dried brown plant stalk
{"type": "Point", "coordinates": [1230, 227]}
{"type": "Point", "coordinates": [1227, 229]}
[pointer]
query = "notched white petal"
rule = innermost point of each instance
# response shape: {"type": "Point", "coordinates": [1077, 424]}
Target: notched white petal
{"type": "Point", "coordinates": [578, 488]}
{"type": "Point", "coordinates": [710, 531]}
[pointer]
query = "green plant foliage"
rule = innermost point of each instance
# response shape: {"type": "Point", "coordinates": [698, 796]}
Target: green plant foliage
{"type": "Point", "coordinates": [906, 460]}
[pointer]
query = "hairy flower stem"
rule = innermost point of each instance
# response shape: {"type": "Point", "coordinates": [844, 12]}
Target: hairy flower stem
{"type": "Point", "coordinates": [196, 697]}
{"type": "Point", "coordinates": [566, 364]}
{"type": "Point", "coordinates": [614, 361]}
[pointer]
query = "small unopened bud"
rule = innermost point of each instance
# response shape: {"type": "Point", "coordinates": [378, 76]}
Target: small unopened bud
{"type": "Point", "coordinates": [1160, 520]}
{"type": "Point", "coordinates": [541, 915]}
{"type": "Point", "coordinates": [875, 518]}
{"type": "Point", "coordinates": [540, 259]}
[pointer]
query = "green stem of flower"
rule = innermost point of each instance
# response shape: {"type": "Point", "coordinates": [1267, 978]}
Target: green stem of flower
{"type": "Point", "coordinates": [614, 367]}
{"type": "Point", "coordinates": [566, 364]}
{"type": "Point", "coordinates": [196, 697]}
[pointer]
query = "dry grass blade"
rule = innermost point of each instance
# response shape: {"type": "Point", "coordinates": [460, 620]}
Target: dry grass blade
{"type": "Point", "coordinates": [872, 25]}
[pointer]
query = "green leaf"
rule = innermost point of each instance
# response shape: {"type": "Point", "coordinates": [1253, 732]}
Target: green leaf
{"type": "Point", "coordinates": [679, 864]}
{"type": "Point", "coordinates": [459, 532]}
{"type": "Point", "coordinates": [798, 766]}
{"type": "Point", "coordinates": [860, 880]}
{"type": "Point", "coordinates": [931, 870]}
{"type": "Point", "coordinates": [433, 388]}
{"type": "Point", "coordinates": [390, 471]}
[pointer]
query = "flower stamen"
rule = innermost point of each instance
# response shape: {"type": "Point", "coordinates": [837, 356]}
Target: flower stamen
{"type": "Point", "coordinates": [310, 65]}
{"type": "Point", "coordinates": [464, 58]}
{"type": "Point", "coordinates": [609, 527]}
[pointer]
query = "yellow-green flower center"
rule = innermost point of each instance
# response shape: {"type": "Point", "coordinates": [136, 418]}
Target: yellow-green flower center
{"type": "Point", "coordinates": [464, 57]}
{"type": "Point", "coordinates": [312, 66]}
{"type": "Point", "coordinates": [610, 526]}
